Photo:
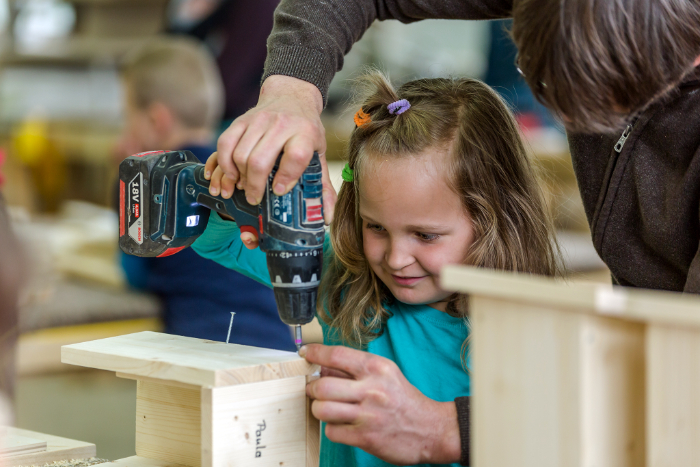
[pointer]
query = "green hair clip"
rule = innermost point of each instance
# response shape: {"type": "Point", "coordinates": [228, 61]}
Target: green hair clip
{"type": "Point", "coordinates": [348, 174]}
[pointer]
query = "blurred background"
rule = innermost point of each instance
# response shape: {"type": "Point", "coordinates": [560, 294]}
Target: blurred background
{"type": "Point", "coordinates": [63, 121]}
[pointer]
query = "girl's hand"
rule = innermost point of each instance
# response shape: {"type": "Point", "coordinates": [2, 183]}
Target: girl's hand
{"type": "Point", "coordinates": [286, 119]}
{"type": "Point", "coordinates": [368, 403]}
{"type": "Point", "coordinates": [222, 183]}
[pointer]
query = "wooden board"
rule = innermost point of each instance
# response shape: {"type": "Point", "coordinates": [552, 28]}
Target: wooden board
{"type": "Point", "coordinates": [168, 422]}
{"type": "Point", "coordinates": [555, 389]}
{"type": "Point", "coordinates": [57, 449]}
{"type": "Point", "coordinates": [187, 360]}
{"type": "Point", "coordinates": [673, 405]}
{"type": "Point", "coordinates": [622, 302]}
{"type": "Point", "coordinates": [13, 444]}
{"type": "Point", "coordinates": [261, 424]}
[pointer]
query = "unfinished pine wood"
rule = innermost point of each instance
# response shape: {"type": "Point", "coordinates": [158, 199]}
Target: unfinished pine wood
{"type": "Point", "coordinates": [261, 424]}
{"type": "Point", "coordinates": [187, 360]}
{"type": "Point", "coordinates": [553, 388]}
{"type": "Point", "coordinates": [313, 432]}
{"type": "Point", "coordinates": [156, 380]}
{"type": "Point", "coordinates": [168, 422]}
{"type": "Point", "coordinates": [621, 302]}
{"type": "Point", "coordinates": [57, 449]}
{"type": "Point", "coordinates": [137, 461]}
{"type": "Point", "coordinates": [13, 445]}
{"type": "Point", "coordinates": [673, 379]}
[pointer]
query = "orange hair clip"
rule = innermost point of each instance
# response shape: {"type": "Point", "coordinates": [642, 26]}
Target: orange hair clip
{"type": "Point", "coordinates": [362, 118]}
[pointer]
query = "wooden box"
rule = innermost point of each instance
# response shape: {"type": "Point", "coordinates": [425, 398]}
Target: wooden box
{"type": "Point", "coordinates": [206, 403]}
{"type": "Point", "coordinates": [580, 375]}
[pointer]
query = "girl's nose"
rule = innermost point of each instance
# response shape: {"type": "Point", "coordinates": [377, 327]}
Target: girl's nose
{"type": "Point", "coordinates": [397, 255]}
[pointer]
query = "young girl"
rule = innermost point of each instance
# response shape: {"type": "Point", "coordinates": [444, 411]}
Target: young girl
{"type": "Point", "coordinates": [437, 174]}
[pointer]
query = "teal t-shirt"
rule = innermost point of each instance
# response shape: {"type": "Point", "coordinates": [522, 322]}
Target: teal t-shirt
{"type": "Point", "coordinates": [424, 342]}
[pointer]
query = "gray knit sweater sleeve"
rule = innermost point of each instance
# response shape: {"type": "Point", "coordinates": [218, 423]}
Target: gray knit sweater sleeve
{"type": "Point", "coordinates": [310, 37]}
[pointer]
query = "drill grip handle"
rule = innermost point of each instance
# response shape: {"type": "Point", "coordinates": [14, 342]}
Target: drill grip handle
{"type": "Point", "coordinates": [245, 214]}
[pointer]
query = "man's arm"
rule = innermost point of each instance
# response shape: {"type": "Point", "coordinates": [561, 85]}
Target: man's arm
{"type": "Point", "coordinates": [310, 38]}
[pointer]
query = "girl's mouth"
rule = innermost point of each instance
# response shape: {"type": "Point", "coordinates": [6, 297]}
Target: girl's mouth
{"type": "Point", "coordinates": [406, 281]}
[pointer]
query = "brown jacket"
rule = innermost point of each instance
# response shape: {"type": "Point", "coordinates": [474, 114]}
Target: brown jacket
{"type": "Point", "coordinates": [643, 201]}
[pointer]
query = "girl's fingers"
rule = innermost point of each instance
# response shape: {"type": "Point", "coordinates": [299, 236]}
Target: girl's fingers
{"type": "Point", "coordinates": [250, 240]}
{"type": "Point", "coordinates": [215, 181]}
{"type": "Point", "coordinates": [211, 164]}
{"type": "Point", "coordinates": [227, 186]}
{"type": "Point", "coordinates": [335, 412]}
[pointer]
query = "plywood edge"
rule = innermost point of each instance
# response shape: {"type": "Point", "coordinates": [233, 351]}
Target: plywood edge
{"type": "Point", "coordinates": [138, 461]}
{"type": "Point", "coordinates": [664, 307]}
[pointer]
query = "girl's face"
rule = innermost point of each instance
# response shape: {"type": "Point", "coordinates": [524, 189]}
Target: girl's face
{"type": "Point", "coordinates": [413, 224]}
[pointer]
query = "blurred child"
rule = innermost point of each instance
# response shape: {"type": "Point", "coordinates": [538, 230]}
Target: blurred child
{"type": "Point", "coordinates": [437, 175]}
{"type": "Point", "coordinates": [174, 100]}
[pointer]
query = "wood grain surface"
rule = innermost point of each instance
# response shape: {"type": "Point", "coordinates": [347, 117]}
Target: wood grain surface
{"type": "Point", "coordinates": [187, 360]}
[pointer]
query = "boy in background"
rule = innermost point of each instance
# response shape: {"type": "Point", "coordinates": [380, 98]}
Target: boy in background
{"type": "Point", "coordinates": [174, 100]}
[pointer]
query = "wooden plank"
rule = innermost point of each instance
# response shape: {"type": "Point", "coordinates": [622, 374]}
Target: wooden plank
{"type": "Point", "coordinates": [57, 449]}
{"type": "Point", "coordinates": [313, 432]}
{"type": "Point", "coordinates": [259, 424]}
{"type": "Point", "coordinates": [187, 360]}
{"type": "Point", "coordinates": [156, 380]}
{"type": "Point", "coordinates": [137, 461]}
{"type": "Point", "coordinates": [556, 388]}
{"type": "Point", "coordinates": [673, 402]}
{"type": "Point", "coordinates": [168, 422]}
{"type": "Point", "coordinates": [632, 304]}
{"type": "Point", "coordinates": [13, 445]}
{"type": "Point", "coordinates": [613, 392]}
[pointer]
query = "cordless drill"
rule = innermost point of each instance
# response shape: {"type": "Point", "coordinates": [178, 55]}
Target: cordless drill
{"type": "Point", "coordinates": [164, 205]}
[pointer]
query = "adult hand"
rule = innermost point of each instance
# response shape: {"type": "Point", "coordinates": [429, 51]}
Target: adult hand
{"type": "Point", "coordinates": [286, 119]}
{"type": "Point", "coordinates": [367, 402]}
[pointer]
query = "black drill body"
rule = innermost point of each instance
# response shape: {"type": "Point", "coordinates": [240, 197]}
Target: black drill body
{"type": "Point", "coordinates": [165, 205]}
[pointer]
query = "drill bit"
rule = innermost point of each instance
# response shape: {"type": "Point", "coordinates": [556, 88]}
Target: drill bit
{"type": "Point", "coordinates": [297, 336]}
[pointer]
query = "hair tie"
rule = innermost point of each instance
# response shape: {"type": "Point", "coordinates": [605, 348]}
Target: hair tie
{"type": "Point", "coordinates": [398, 107]}
{"type": "Point", "coordinates": [362, 118]}
{"type": "Point", "coordinates": [348, 174]}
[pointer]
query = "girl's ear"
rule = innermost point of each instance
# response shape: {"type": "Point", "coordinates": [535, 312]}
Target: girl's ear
{"type": "Point", "coordinates": [697, 61]}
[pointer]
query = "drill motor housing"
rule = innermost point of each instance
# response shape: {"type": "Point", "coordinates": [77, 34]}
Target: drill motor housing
{"type": "Point", "coordinates": [164, 205]}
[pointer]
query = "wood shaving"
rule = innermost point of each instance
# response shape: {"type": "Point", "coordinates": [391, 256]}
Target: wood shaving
{"type": "Point", "coordinates": [73, 463]}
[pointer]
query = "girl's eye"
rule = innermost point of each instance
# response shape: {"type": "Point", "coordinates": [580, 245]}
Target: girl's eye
{"type": "Point", "coordinates": [375, 227]}
{"type": "Point", "coordinates": [427, 237]}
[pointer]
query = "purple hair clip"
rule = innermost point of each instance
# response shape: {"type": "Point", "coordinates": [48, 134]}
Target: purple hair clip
{"type": "Point", "coordinates": [398, 107]}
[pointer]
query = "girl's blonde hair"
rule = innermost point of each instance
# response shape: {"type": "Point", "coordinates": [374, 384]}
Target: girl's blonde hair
{"type": "Point", "coordinates": [489, 170]}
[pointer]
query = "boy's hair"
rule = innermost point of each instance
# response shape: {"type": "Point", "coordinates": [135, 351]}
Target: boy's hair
{"type": "Point", "coordinates": [179, 73]}
{"type": "Point", "coordinates": [597, 63]}
{"type": "Point", "coordinates": [489, 170]}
